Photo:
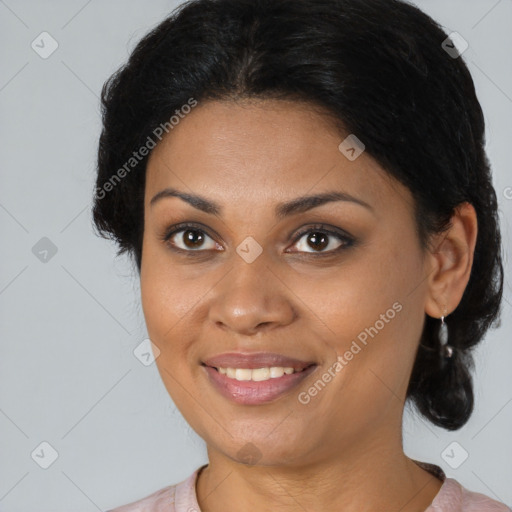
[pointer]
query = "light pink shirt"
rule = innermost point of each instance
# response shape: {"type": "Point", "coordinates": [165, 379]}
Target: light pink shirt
{"type": "Point", "coordinates": [452, 497]}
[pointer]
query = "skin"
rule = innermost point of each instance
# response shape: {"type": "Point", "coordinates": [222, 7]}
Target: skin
{"type": "Point", "coordinates": [343, 449]}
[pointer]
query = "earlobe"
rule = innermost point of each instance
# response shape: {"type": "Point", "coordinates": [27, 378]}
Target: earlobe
{"type": "Point", "coordinates": [450, 262]}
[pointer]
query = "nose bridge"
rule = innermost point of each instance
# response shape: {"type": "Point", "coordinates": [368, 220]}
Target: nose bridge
{"type": "Point", "coordinates": [250, 296]}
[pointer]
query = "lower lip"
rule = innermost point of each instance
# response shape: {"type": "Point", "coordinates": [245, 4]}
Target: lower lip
{"type": "Point", "coordinates": [249, 392]}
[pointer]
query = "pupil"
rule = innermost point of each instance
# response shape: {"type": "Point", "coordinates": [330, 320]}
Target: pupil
{"type": "Point", "coordinates": [192, 240]}
{"type": "Point", "coordinates": [320, 239]}
{"type": "Point", "coordinates": [317, 240]}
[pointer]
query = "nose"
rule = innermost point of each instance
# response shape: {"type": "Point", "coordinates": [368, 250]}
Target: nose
{"type": "Point", "coordinates": [252, 298]}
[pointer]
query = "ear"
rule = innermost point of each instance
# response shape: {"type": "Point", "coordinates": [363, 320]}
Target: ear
{"type": "Point", "coordinates": [449, 262]}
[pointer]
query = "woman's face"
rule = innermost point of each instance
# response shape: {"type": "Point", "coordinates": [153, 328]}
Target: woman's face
{"type": "Point", "coordinates": [334, 289]}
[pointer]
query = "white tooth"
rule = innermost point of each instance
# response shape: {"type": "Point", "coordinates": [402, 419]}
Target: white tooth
{"type": "Point", "coordinates": [261, 374]}
{"type": "Point", "coordinates": [243, 374]}
{"type": "Point", "coordinates": [257, 374]}
{"type": "Point", "coordinates": [276, 371]}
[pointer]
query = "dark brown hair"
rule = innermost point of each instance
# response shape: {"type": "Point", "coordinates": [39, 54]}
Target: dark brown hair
{"type": "Point", "coordinates": [378, 66]}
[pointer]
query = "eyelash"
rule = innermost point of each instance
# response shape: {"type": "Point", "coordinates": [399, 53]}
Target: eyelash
{"type": "Point", "coordinates": [347, 240]}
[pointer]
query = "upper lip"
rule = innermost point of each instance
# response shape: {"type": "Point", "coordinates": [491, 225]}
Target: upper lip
{"type": "Point", "coordinates": [255, 360]}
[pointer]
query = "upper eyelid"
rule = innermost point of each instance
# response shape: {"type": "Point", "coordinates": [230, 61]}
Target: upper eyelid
{"type": "Point", "coordinates": [331, 231]}
{"type": "Point", "coordinates": [322, 227]}
{"type": "Point", "coordinates": [183, 226]}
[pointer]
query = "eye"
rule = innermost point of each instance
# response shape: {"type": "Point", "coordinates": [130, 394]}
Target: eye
{"type": "Point", "coordinates": [190, 238]}
{"type": "Point", "coordinates": [319, 238]}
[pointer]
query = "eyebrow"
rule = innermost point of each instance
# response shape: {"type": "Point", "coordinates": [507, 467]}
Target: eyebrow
{"type": "Point", "coordinates": [298, 205]}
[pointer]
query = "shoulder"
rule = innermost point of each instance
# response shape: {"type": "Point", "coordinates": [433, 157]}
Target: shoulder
{"type": "Point", "coordinates": [180, 496]}
{"type": "Point", "coordinates": [159, 501]}
{"type": "Point", "coordinates": [453, 497]}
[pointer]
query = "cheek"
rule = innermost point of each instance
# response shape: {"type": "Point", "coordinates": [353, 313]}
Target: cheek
{"type": "Point", "coordinates": [374, 313]}
{"type": "Point", "coordinates": [166, 300]}
{"type": "Point", "coordinates": [164, 294]}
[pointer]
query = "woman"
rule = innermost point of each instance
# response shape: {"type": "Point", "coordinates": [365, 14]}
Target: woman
{"type": "Point", "coordinates": [305, 192]}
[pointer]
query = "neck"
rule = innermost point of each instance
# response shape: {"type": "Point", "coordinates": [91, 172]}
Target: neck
{"type": "Point", "coordinates": [371, 475]}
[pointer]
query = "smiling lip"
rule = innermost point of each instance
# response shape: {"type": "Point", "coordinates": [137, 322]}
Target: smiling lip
{"type": "Point", "coordinates": [255, 360]}
{"type": "Point", "coordinates": [252, 392]}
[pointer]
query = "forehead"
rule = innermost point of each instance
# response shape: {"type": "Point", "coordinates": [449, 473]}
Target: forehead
{"type": "Point", "coordinates": [259, 150]}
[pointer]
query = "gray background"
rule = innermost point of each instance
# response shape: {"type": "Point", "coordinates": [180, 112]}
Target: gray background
{"type": "Point", "coordinates": [68, 375]}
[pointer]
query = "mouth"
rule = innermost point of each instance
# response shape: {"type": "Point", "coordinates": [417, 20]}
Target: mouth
{"type": "Point", "coordinates": [252, 379]}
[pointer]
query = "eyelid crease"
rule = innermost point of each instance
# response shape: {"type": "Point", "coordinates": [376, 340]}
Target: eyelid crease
{"type": "Point", "coordinates": [344, 237]}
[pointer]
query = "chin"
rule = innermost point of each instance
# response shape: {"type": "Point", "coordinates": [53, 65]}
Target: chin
{"type": "Point", "coordinates": [254, 449]}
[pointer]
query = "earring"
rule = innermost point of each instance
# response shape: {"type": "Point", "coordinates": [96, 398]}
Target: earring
{"type": "Point", "coordinates": [446, 350]}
